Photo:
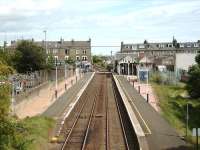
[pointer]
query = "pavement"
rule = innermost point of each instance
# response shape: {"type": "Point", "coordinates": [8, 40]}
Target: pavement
{"type": "Point", "coordinates": [158, 132]}
{"type": "Point", "coordinates": [39, 101]}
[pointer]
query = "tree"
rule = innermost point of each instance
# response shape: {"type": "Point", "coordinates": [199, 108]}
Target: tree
{"type": "Point", "coordinates": [29, 57]}
{"type": "Point", "coordinates": [50, 62]}
{"type": "Point", "coordinates": [70, 61]}
{"type": "Point", "coordinates": [193, 84]}
{"type": "Point", "coordinates": [5, 61]}
{"type": "Point", "coordinates": [97, 59]}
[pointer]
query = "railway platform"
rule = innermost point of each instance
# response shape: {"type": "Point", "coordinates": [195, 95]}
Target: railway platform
{"type": "Point", "coordinates": [156, 131]}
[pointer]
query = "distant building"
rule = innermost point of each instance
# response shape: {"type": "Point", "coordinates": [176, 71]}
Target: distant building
{"type": "Point", "coordinates": [80, 51]}
{"type": "Point", "coordinates": [184, 61]}
{"type": "Point", "coordinates": [155, 54]}
{"type": "Point", "coordinates": [163, 48]}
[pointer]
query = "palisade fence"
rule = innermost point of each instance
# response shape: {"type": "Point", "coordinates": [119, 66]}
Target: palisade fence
{"type": "Point", "coordinates": [32, 82]}
{"type": "Point", "coordinates": [165, 77]}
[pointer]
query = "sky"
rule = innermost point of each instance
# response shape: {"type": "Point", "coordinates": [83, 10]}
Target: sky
{"type": "Point", "coordinates": [106, 22]}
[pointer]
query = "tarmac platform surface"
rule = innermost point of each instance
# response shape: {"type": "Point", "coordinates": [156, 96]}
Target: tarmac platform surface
{"type": "Point", "coordinates": [158, 132]}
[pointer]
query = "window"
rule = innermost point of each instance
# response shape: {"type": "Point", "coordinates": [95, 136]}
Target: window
{"type": "Point", "coordinates": [84, 51]}
{"type": "Point", "coordinates": [55, 51]}
{"type": "Point", "coordinates": [181, 45]}
{"type": "Point", "coordinates": [188, 45]}
{"type": "Point", "coordinates": [56, 60]}
{"type": "Point", "coordinates": [56, 57]}
{"type": "Point", "coordinates": [77, 58]}
{"type": "Point", "coordinates": [196, 45]}
{"type": "Point", "coordinates": [66, 57]}
{"type": "Point", "coordinates": [84, 58]}
{"type": "Point", "coordinates": [134, 47]}
{"type": "Point", "coordinates": [170, 45]}
{"type": "Point", "coordinates": [66, 51]}
{"type": "Point", "coordinates": [141, 46]}
{"type": "Point", "coordinates": [77, 51]}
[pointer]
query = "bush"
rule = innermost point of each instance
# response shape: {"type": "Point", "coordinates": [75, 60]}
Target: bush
{"type": "Point", "coordinates": [156, 77]}
{"type": "Point", "coordinates": [193, 83]}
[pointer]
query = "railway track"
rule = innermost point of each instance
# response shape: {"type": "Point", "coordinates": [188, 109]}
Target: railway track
{"type": "Point", "coordinates": [97, 121]}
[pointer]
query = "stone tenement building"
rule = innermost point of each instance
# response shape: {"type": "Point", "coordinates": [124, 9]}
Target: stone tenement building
{"type": "Point", "coordinates": [79, 51]}
{"type": "Point", "coordinates": [152, 54]}
{"type": "Point", "coordinates": [160, 49]}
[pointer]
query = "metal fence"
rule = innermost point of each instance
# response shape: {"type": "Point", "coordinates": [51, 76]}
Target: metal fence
{"type": "Point", "coordinates": [165, 77]}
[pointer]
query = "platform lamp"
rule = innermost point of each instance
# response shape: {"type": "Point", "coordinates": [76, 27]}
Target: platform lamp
{"type": "Point", "coordinates": [65, 75]}
{"type": "Point", "coordinates": [56, 89]}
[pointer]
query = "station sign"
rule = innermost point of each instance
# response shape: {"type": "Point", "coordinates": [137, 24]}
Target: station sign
{"type": "Point", "coordinates": [196, 132]}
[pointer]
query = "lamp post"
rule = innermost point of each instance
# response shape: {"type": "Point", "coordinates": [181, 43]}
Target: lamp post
{"type": "Point", "coordinates": [13, 97]}
{"type": "Point", "coordinates": [187, 119]}
{"type": "Point", "coordinates": [45, 37]}
{"type": "Point", "coordinates": [65, 76]}
{"type": "Point", "coordinates": [56, 89]}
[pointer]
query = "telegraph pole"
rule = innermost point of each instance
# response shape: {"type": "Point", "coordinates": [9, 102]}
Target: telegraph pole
{"type": "Point", "coordinates": [45, 37]}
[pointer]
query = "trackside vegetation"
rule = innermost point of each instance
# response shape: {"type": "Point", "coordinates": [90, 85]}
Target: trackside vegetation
{"type": "Point", "coordinates": [15, 134]}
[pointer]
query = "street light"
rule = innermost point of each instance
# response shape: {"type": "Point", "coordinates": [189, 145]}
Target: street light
{"type": "Point", "coordinates": [13, 97]}
{"type": "Point", "coordinates": [65, 76]}
{"type": "Point", "coordinates": [56, 90]}
{"type": "Point", "coordinates": [45, 36]}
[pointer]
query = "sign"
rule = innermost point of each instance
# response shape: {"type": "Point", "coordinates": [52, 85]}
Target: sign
{"type": "Point", "coordinates": [143, 75]}
{"type": "Point", "coordinates": [196, 131]}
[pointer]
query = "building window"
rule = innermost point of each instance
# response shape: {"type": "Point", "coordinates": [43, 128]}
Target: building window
{"type": "Point", "coordinates": [66, 57]}
{"type": "Point", "coordinates": [84, 58]}
{"type": "Point", "coordinates": [55, 51]}
{"type": "Point", "coordinates": [77, 58]}
{"type": "Point", "coordinates": [181, 45]}
{"type": "Point", "coordinates": [196, 45]}
{"type": "Point", "coordinates": [141, 46]}
{"type": "Point", "coordinates": [84, 51]}
{"type": "Point", "coordinates": [188, 45]}
{"type": "Point", "coordinates": [170, 45]}
{"type": "Point", "coordinates": [66, 51]}
{"type": "Point", "coordinates": [77, 51]}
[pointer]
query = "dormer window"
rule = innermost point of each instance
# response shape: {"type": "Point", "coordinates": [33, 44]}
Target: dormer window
{"type": "Point", "coordinates": [196, 45]}
{"type": "Point", "coordinates": [77, 52]}
{"type": "Point", "coordinates": [188, 45]}
{"type": "Point", "coordinates": [181, 45]}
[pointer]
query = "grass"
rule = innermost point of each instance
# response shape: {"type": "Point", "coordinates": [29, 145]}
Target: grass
{"type": "Point", "coordinates": [39, 129]}
{"type": "Point", "coordinates": [173, 104]}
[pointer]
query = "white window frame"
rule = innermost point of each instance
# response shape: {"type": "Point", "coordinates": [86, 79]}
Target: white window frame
{"type": "Point", "coordinates": [141, 46]}
{"type": "Point", "coordinates": [84, 58]}
{"type": "Point", "coordinates": [182, 45]}
{"type": "Point", "coordinates": [84, 51]}
{"type": "Point", "coordinates": [77, 57]}
{"type": "Point", "coordinates": [196, 45]}
{"type": "Point", "coordinates": [66, 57]}
{"type": "Point", "coordinates": [77, 51]}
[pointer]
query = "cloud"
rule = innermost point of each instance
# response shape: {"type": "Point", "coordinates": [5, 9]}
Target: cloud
{"type": "Point", "coordinates": [103, 20]}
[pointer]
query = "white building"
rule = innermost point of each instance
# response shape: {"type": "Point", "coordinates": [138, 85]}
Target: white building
{"type": "Point", "coordinates": [184, 61]}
